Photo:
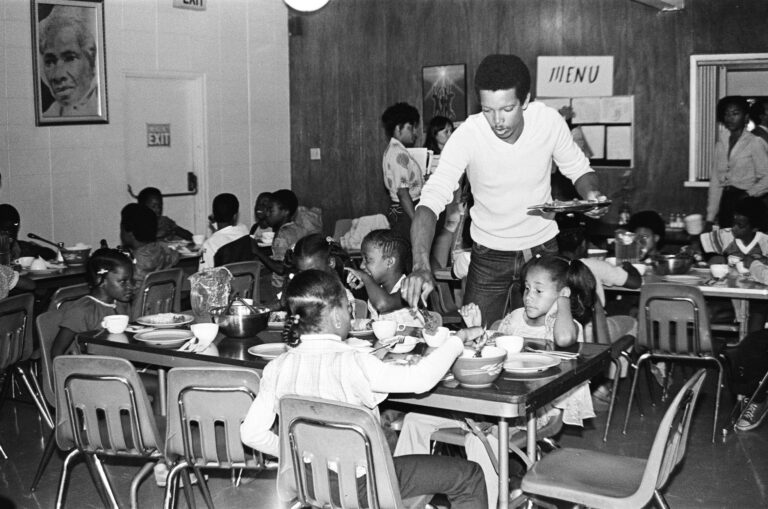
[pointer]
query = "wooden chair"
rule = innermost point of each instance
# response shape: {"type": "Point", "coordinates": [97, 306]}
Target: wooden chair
{"type": "Point", "coordinates": [600, 480]}
{"type": "Point", "coordinates": [245, 279]}
{"type": "Point", "coordinates": [103, 410]}
{"type": "Point", "coordinates": [159, 293]}
{"type": "Point", "coordinates": [68, 294]}
{"type": "Point", "coordinates": [208, 400]}
{"type": "Point", "coordinates": [673, 326]}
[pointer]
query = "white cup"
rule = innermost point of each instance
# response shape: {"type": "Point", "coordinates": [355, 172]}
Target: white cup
{"type": "Point", "coordinates": [385, 329]}
{"type": "Point", "coordinates": [719, 270]}
{"type": "Point", "coordinates": [198, 239]}
{"type": "Point", "coordinates": [115, 324]}
{"type": "Point", "coordinates": [205, 333]}
{"type": "Point", "coordinates": [267, 237]}
{"type": "Point", "coordinates": [512, 344]}
{"type": "Point", "coordinates": [694, 224]}
{"type": "Point", "coordinates": [436, 339]}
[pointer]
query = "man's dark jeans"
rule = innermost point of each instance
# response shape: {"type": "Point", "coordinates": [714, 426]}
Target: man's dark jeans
{"type": "Point", "coordinates": [494, 278]}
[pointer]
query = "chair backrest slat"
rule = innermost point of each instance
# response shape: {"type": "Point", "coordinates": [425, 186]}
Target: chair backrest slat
{"type": "Point", "coordinates": [673, 319]}
{"type": "Point", "coordinates": [68, 294]}
{"type": "Point", "coordinates": [159, 293]}
{"type": "Point", "coordinates": [245, 279]}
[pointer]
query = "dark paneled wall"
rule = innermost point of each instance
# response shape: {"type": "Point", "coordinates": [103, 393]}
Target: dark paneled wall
{"type": "Point", "coordinates": [356, 57]}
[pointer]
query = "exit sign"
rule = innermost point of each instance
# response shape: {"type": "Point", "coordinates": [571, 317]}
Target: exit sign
{"type": "Point", "coordinates": [158, 135]}
{"type": "Point", "coordinates": [195, 5]}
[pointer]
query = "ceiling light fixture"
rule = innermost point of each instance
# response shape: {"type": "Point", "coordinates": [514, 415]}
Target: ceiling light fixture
{"type": "Point", "coordinates": [306, 5]}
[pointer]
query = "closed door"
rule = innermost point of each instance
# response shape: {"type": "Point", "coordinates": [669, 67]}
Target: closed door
{"type": "Point", "coordinates": [164, 142]}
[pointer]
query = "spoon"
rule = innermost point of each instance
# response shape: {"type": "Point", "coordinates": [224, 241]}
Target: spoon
{"type": "Point", "coordinates": [38, 237]}
{"type": "Point", "coordinates": [480, 344]}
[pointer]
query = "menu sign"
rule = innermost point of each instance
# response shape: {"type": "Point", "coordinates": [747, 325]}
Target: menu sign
{"type": "Point", "coordinates": [568, 76]}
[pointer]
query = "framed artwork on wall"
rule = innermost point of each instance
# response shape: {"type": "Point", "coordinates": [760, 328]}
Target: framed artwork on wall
{"type": "Point", "coordinates": [69, 63]}
{"type": "Point", "coordinates": [444, 89]}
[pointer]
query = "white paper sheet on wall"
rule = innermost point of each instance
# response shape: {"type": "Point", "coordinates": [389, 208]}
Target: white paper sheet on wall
{"type": "Point", "coordinates": [555, 102]}
{"type": "Point", "coordinates": [618, 142]}
{"type": "Point", "coordinates": [595, 136]}
{"type": "Point", "coordinates": [616, 110]}
{"type": "Point", "coordinates": [586, 110]}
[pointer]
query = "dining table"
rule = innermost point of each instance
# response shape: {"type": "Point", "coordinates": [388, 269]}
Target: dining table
{"type": "Point", "coordinates": [511, 396]}
{"type": "Point", "coordinates": [740, 287]}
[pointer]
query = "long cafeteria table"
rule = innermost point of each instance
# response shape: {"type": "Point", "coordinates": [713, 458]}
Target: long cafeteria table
{"type": "Point", "coordinates": [510, 397]}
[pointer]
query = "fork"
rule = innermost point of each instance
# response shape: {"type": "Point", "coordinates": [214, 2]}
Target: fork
{"type": "Point", "coordinates": [400, 339]}
{"type": "Point", "coordinates": [480, 344]}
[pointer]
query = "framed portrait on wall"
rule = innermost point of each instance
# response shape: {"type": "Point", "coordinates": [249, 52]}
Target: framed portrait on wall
{"type": "Point", "coordinates": [69, 63]}
{"type": "Point", "coordinates": [444, 89]}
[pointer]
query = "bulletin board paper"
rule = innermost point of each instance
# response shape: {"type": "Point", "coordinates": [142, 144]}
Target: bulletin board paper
{"type": "Point", "coordinates": [618, 142]}
{"type": "Point", "coordinates": [595, 136]}
{"type": "Point", "coordinates": [616, 110]}
{"type": "Point", "coordinates": [586, 110]}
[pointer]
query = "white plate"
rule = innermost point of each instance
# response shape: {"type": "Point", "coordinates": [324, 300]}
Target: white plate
{"type": "Point", "coordinates": [268, 350]}
{"type": "Point", "coordinates": [263, 244]}
{"type": "Point", "coordinates": [164, 338]}
{"type": "Point", "coordinates": [529, 362]}
{"type": "Point", "coordinates": [43, 271]}
{"type": "Point", "coordinates": [165, 320]}
{"type": "Point", "coordinates": [682, 278]}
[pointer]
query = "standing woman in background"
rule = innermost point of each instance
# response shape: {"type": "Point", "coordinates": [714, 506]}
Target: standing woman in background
{"type": "Point", "coordinates": [741, 163]}
{"type": "Point", "coordinates": [402, 174]}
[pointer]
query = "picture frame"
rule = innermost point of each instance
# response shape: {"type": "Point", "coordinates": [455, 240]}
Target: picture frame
{"type": "Point", "coordinates": [444, 92]}
{"type": "Point", "coordinates": [69, 62]}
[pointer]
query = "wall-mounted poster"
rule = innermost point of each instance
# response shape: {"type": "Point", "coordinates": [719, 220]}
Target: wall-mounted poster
{"type": "Point", "coordinates": [444, 92]}
{"type": "Point", "coordinates": [69, 63]}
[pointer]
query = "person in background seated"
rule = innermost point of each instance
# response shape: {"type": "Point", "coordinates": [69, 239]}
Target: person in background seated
{"type": "Point", "coordinates": [741, 163]}
{"type": "Point", "coordinates": [650, 230]}
{"type": "Point", "coordinates": [110, 276]}
{"type": "Point", "coordinates": [224, 222]}
{"type": "Point", "coordinates": [386, 260]}
{"type": "Point", "coordinates": [402, 174]}
{"type": "Point", "coordinates": [10, 221]}
{"type": "Point", "coordinates": [280, 214]}
{"type": "Point", "coordinates": [558, 298]}
{"type": "Point", "coordinates": [138, 231]}
{"type": "Point", "coordinates": [319, 364]}
{"type": "Point", "coordinates": [167, 229]}
{"type": "Point", "coordinates": [260, 209]}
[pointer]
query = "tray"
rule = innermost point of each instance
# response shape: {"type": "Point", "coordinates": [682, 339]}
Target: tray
{"type": "Point", "coordinates": [268, 351]}
{"type": "Point", "coordinates": [570, 206]}
{"type": "Point", "coordinates": [165, 320]}
{"type": "Point", "coordinates": [529, 362]}
{"type": "Point", "coordinates": [164, 338]}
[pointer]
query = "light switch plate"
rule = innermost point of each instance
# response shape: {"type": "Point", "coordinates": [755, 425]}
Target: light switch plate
{"type": "Point", "coordinates": [314, 154]}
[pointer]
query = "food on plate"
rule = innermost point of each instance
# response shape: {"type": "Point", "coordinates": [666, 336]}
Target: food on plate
{"type": "Point", "coordinates": [431, 323]}
{"type": "Point", "coordinates": [163, 318]}
{"type": "Point", "coordinates": [362, 324]}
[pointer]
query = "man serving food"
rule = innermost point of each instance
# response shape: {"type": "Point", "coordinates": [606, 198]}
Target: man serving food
{"type": "Point", "coordinates": [506, 151]}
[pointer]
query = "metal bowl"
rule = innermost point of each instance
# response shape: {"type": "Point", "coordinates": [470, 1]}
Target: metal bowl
{"type": "Point", "coordinates": [239, 321]}
{"type": "Point", "coordinates": [75, 256]}
{"type": "Point", "coordinates": [664, 265]}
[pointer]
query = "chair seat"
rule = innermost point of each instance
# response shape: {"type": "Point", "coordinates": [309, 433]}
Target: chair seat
{"type": "Point", "coordinates": [591, 478]}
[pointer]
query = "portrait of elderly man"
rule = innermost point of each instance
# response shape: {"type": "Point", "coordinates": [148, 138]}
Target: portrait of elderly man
{"type": "Point", "coordinates": [67, 48]}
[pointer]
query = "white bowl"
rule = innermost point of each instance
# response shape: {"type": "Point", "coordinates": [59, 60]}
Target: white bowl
{"type": "Point", "coordinates": [384, 329]}
{"type": "Point", "coordinates": [406, 346]}
{"type": "Point", "coordinates": [205, 332]}
{"type": "Point", "coordinates": [641, 267]}
{"type": "Point", "coordinates": [25, 261]}
{"type": "Point", "coordinates": [512, 344]}
{"type": "Point", "coordinates": [436, 339]}
{"type": "Point", "coordinates": [719, 270]}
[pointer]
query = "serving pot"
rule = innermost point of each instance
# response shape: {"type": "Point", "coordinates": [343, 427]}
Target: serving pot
{"type": "Point", "coordinates": [664, 265]}
{"type": "Point", "coordinates": [239, 320]}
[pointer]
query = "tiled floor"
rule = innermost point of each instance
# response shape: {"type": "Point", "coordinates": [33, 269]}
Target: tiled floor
{"type": "Point", "coordinates": [729, 474]}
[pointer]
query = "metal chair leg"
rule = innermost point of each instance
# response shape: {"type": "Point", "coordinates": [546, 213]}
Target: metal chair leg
{"type": "Point", "coordinates": [632, 391]}
{"type": "Point", "coordinates": [614, 389]}
{"type": "Point", "coordinates": [2, 451]}
{"type": "Point", "coordinates": [137, 481]}
{"type": "Point", "coordinates": [189, 494]}
{"type": "Point", "coordinates": [169, 500]}
{"type": "Point", "coordinates": [658, 498]}
{"type": "Point", "coordinates": [105, 481]}
{"type": "Point", "coordinates": [50, 447]}
{"type": "Point", "coordinates": [63, 481]}
{"type": "Point", "coordinates": [46, 415]}
{"type": "Point", "coordinates": [720, 370]}
{"type": "Point", "coordinates": [203, 487]}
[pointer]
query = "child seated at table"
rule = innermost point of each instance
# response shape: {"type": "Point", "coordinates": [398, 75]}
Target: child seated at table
{"type": "Point", "coordinates": [280, 213]}
{"type": "Point", "coordinates": [386, 259]}
{"type": "Point", "coordinates": [320, 364]}
{"type": "Point", "coordinates": [10, 222]}
{"type": "Point", "coordinates": [558, 297]}
{"type": "Point", "coordinates": [226, 225]}
{"type": "Point", "coordinates": [138, 231]}
{"type": "Point", "coordinates": [744, 242]}
{"type": "Point", "coordinates": [650, 230]}
{"type": "Point", "coordinates": [318, 252]}
{"type": "Point", "coordinates": [110, 276]}
{"type": "Point", "coordinates": [260, 215]}
{"type": "Point", "coordinates": [167, 229]}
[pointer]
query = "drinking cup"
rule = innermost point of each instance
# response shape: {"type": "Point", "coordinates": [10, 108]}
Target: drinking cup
{"type": "Point", "coordinates": [384, 329]}
{"type": "Point", "coordinates": [267, 237]}
{"type": "Point", "coordinates": [205, 333]}
{"type": "Point", "coordinates": [627, 247]}
{"type": "Point", "coordinates": [719, 270]}
{"type": "Point", "coordinates": [512, 344]}
{"type": "Point", "coordinates": [436, 339]}
{"type": "Point", "coordinates": [198, 239]}
{"type": "Point", "coordinates": [694, 224]}
{"type": "Point", "coordinates": [115, 324]}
